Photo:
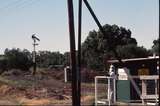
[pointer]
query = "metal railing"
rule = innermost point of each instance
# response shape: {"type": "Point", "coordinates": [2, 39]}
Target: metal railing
{"type": "Point", "coordinates": [109, 92]}
{"type": "Point", "coordinates": [144, 96]}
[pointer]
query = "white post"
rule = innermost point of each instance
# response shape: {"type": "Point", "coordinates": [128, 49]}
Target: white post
{"type": "Point", "coordinates": [95, 91]}
{"type": "Point", "coordinates": [156, 90]}
{"type": "Point", "coordinates": [112, 84]}
{"type": "Point", "coordinates": [144, 92]}
{"type": "Point", "coordinates": [109, 99]}
{"type": "Point", "coordinates": [114, 81]}
{"type": "Point", "coordinates": [65, 74]}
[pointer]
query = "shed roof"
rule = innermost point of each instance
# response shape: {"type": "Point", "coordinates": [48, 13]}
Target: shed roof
{"type": "Point", "coordinates": [134, 59]}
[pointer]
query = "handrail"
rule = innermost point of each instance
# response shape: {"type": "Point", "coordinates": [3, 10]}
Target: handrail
{"type": "Point", "coordinates": [109, 95]}
{"type": "Point", "coordinates": [143, 94]}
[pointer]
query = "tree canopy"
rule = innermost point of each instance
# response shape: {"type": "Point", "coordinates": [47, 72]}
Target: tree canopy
{"type": "Point", "coordinates": [98, 47]}
{"type": "Point", "coordinates": [47, 58]}
{"type": "Point", "coordinates": [96, 50]}
{"type": "Point", "coordinates": [155, 47]}
{"type": "Point", "coordinates": [18, 59]}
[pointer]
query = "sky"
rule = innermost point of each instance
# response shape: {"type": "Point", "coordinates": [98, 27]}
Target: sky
{"type": "Point", "coordinates": [48, 19]}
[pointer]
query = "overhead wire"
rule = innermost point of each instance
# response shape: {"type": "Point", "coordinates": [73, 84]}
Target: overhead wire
{"type": "Point", "coordinates": [10, 5]}
{"type": "Point", "coordinates": [18, 4]}
{"type": "Point", "coordinates": [28, 4]}
{"type": "Point", "coordinates": [4, 3]}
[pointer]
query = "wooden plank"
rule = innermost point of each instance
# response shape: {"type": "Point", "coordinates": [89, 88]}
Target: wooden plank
{"type": "Point", "coordinates": [150, 77]}
{"type": "Point", "coordinates": [144, 88]}
{"type": "Point", "coordinates": [150, 96]}
{"type": "Point", "coordinates": [147, 77]}
{"type": "Point", "coordinates": [101, 77]}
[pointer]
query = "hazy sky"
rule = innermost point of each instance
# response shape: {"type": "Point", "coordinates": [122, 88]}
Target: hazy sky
{"type": "Point", "coordinates": [19, 19]}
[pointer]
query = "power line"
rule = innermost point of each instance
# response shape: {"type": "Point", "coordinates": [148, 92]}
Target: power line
{"type": "Point", "coordinates": [4, 3]}
{"type": "Point", "coordinates": [25, 4]}
{"type": "Point", "coordinates": [18, 4]}
{"type": "Point", "coordinates": [10, 4]}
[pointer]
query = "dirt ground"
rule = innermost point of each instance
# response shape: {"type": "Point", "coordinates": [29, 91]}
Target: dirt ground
{"type": "Point", "coordinates": [45, 88]}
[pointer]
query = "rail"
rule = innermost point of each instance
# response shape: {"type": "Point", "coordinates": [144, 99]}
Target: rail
{"type": "Point", "coordinates": [143, 93]}
{"type": "Point", "coordinates": [104, 101]}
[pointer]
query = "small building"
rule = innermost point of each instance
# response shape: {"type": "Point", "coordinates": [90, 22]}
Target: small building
{"type": "Point", "coordinates": [137, 67]}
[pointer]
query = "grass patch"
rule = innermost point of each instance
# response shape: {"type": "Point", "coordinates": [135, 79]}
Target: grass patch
{"type": "Point", "coordinates": [15, 83]}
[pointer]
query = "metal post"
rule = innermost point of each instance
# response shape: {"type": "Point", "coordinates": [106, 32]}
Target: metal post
{"type": "Point", "coordinates": [95, 91]}
{"type": "Point", "coordinates": [94, 16]}
{"type": "Point", "coordinates": [156, 90]}
{"type": "Point", "coordinates": [103, 32]}
{"type": "Point", "coordinates": [144, 92]}
{"type": "Point", "coordinates": [34, 52]}
{"type": "Point", "coordinates": [114, 91]}
{"type": "Point", "coordinates": [65, 74]}
{"type": "Point", "coordinates": [79, 52]}
{"type": "Point", "coordinates": [109, 99]}
{"type": "Point", "coordinates": [73, 53]}
{"type": "Point", "coordinates": [34, 57]}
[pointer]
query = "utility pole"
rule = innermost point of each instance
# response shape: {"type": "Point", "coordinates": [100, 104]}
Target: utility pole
{"type": "Point", "coordinates": [79, 53]}
{"type": "Point", "coordinates": [75, 101]}
{"type": "Point", "coordinates": [76, 68]}
{"type": "Point", "coordinates": [34, 52]}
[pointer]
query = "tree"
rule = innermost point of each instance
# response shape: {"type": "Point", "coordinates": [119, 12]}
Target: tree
{"type": "Point", "coordinates": [43, 59]}
{"type": "Point", "coordinates": [46, 59]}
{"type": "Point", "coordinates": [3, 65]}
{"type": "Point", "coordinates": [132, 51]}
{"type": "Point", "coordinates": [18, 59]}
{"type": "Point", "coordinates": [155, 47]}
{"type": "Point", "coordinates": [91, 55]}
{"type": "Point", "coordinates": [98, 47]}
{"type": "Point", "coordinates": [114, 36]}
{"type": "Point", "coordinates": [66, 61]}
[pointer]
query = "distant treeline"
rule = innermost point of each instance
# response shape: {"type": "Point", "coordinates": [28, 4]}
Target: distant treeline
{"type": "Point", "coordinates": [96, 50]}
{"type": "Point", "coordinates": [22, 59]}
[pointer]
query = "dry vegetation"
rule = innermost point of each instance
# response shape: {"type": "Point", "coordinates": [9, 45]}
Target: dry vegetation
{"type": "Point", "coordinates": [47, 87]}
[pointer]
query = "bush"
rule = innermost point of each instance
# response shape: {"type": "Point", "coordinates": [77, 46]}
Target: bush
{"type": "Point", "coordinates": [18, 59]}
{"type": "Point", "coordinates": [3, 65]}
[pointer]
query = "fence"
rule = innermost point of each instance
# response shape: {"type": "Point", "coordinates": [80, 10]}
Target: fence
{"type": "Point", "coordinates": [149, 89]}
{"type": "Point", "coordinates": [110, 93]}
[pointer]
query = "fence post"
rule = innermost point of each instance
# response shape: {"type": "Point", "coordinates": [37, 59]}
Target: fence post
{"type": "Point", "coordinates": [114, 81]}
{"type": "Point", "coordinates": [109, 99]}
{"type": "Point", "coordinates": [95, 91]}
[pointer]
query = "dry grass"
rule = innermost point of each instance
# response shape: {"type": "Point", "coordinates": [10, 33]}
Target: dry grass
{"type": "Point", "coordinates": [41, 89]}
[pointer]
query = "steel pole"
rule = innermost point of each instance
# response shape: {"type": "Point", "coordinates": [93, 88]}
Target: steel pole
{"type": "Point", "coordinates": [94, 16]}
{"type": "Point", "coordinates": [34, 57]}
{"type": "Point", "coordinates": [73, 53]}
{"type": "Point", "coordinates": [79, 52]}
{"type": "Point", "coordinates": [102, 30]}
